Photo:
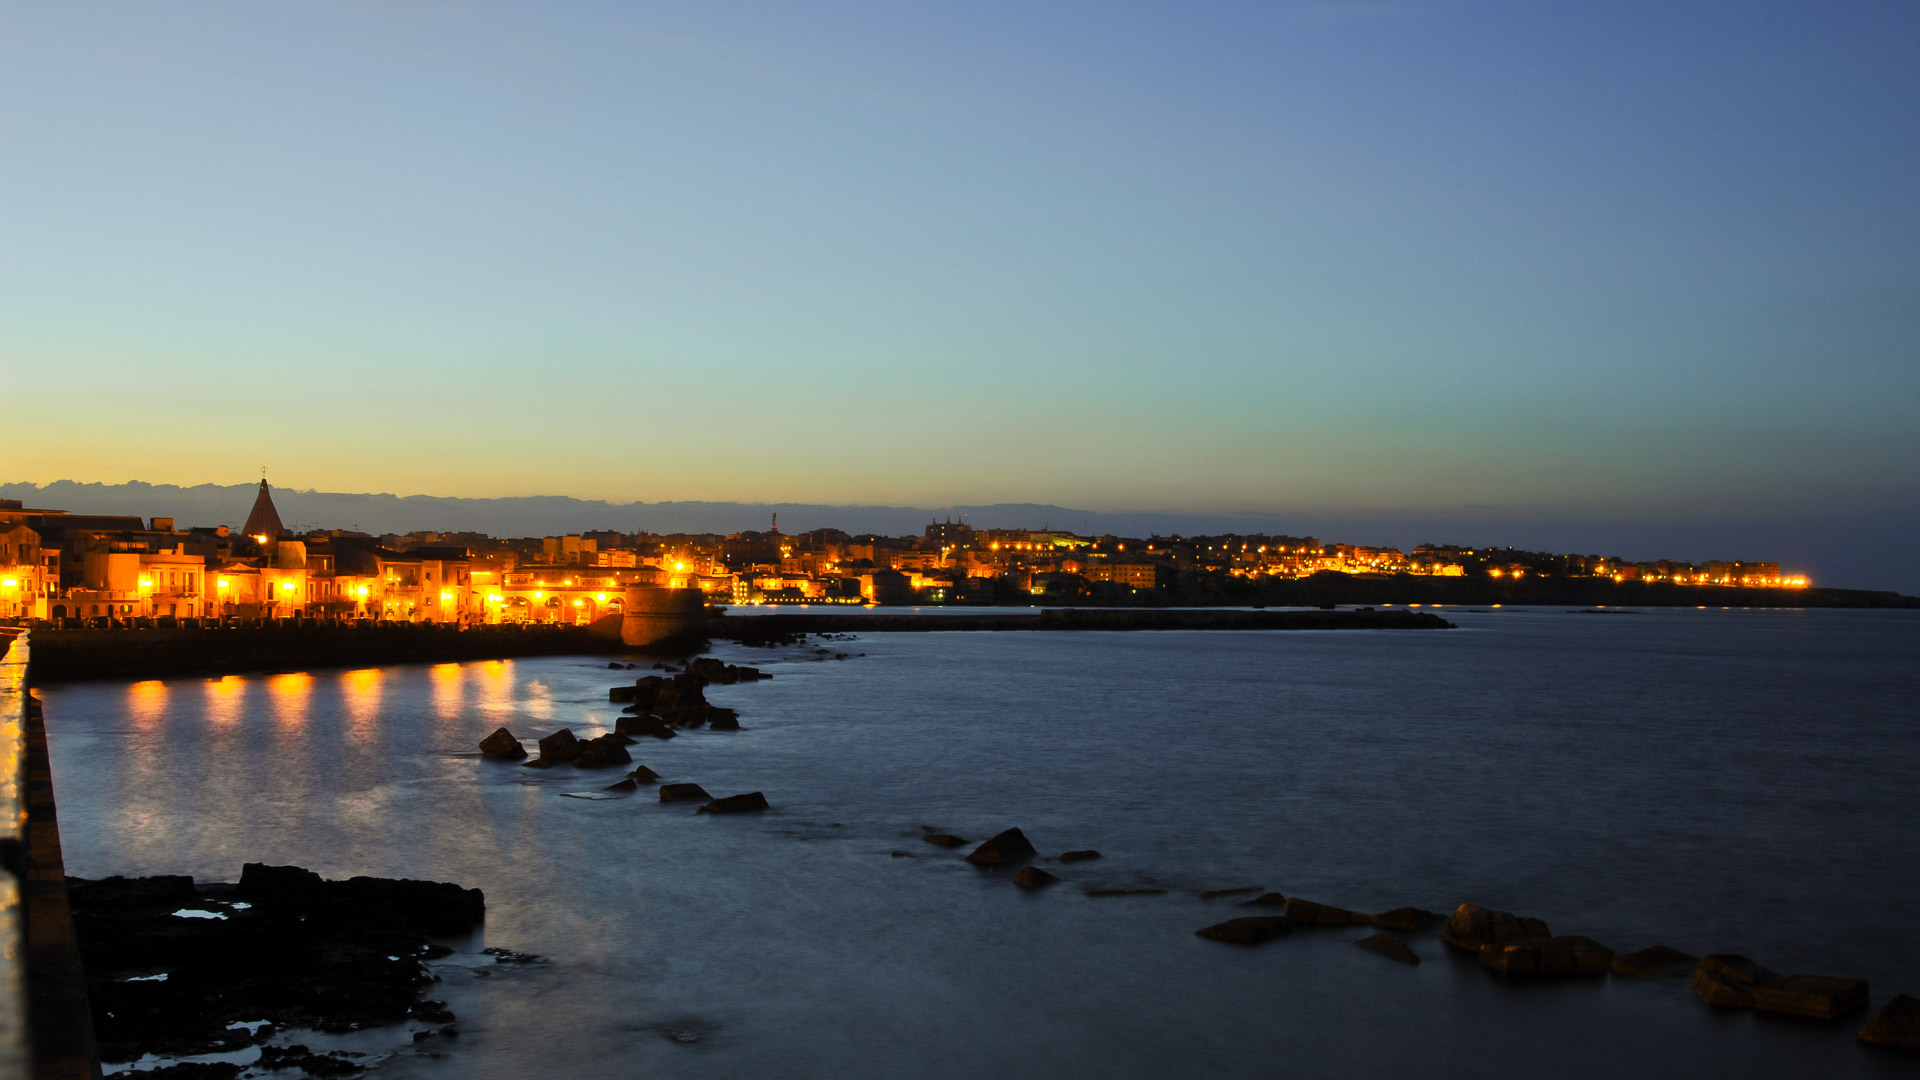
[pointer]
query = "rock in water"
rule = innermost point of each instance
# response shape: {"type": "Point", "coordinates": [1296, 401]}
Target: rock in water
{"type": "Point", "coordinates": [1247, 930]}
{"type": "Point", "coordinates": [1267, 899]}
{"type": "Point", "coordinates": [560, 746]}
{"type": "Point", "coordinates": [1389, 946]}
{"type": "Point", "coordinates": [1654, 961]}
{"type": "Point", "coordinates": [502, 746]}
{"type": "Point", "coordinates": [1308, 912]}
{"type": "Point", "coordinates": [600, 752]}
{"type": "Point", "coordinates": [1406, 919]}
{"type": "Point", "coordinates": [1897, 1024]}
{"type": "Point", "coordinates": [1548, 958]}
{"type": "Point", "coordinates": [1032, 877]}
{"type": "Point", "coordinates": [1819, 997]}
{"type": "Point", "coordinates": [941, 839]}
{"type": "Point", "coordinates": [1473, 927]}
{"type": "Point", "coordinates": [1727, 980]}
{"type": "Point", "coordinates": [643, 775]}
{"type": "Point", "coordinates": [1215, 894]}
{"type": "Point", "coordinates": [735, 804]}
{"type": "Point", "coordinates": [684, 793]}
{"type": "Point", "coordinates": [623, 785]}
{"type": "Point", "coordinates": [1079, 856]}
{"type": "Point", "coordinates": [1009, 846]}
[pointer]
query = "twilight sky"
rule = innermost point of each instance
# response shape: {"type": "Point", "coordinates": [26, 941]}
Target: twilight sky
{"type": "Point", "coordinates": [1523, 260]}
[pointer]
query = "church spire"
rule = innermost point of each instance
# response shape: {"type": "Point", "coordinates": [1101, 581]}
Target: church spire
{"type": "Point", "coordinates": [263, 524]}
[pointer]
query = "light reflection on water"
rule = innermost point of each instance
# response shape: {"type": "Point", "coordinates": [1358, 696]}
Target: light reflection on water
{"type": "Point", "coordinates": [1738, 782]}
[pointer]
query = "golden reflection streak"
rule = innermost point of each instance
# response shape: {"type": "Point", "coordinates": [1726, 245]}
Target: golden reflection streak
{"type": "Point", "coordinates": [494, 681]}
{"type": "Point", "coordinates": [360, 691]}
{"type": "Point", "coordinates": [449, 689]}
{"type": "Point", "coordinates": [290, 695]}
{"type": "Point", "coordinates": [146, 705]}
{"type": "Point", "coordinates": [225, 697]}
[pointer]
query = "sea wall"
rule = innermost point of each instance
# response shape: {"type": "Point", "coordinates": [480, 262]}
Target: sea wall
{"type": "Point", "coordinates": [68, 655]}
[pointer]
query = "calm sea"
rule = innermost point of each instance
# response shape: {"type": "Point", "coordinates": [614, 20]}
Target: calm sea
{"type": "Point", "coordinates": [1726, 781]}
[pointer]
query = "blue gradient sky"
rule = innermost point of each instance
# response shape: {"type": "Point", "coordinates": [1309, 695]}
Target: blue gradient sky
{"type": "Point", "coordinates": [1539, 261]}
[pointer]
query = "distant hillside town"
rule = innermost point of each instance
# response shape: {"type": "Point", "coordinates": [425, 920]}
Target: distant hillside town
{"type": "Point", "coordinates": [103, 569]}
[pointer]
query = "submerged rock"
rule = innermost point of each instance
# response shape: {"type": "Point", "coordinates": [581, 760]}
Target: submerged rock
{"type": "Point", "coordinates": [1653, 962]}
{"type": "Point", "coordinates": [1896, 1025]}
{"type": "Point", "coordinates": [622, 785]}
{"type": "Point", "coordinates": [1407, 919]}
{"type": "Point", "coordinates": [1246, 930]}
{"type": "Point", "coordinates": [735, 804]}
{"type": "Point", "coordinates": [1389, 946]}
{"type": "Point", "coordinates": [1473, 927]}
{"type": "Point", "coordinates": [502, 746]}
{"type": "Point", "coordinates": [941, 839]}
{"type": "Point", "coordinates": [684, 793]}
{"type": "Point", "coordinates": [1009, 846]}
{"type": "Point", "coordinates": [1548, 958]}
{"type": "Point", "coordinates": [1818, 997]}
{"type": "Point", "coordinates": [1215, 894]}
{"type": "Point", "coordinates": [1123, 892]}
{"type": "Point", "coordinates": [1268, 899]}
{"type": "Point", "coordinates": [1728, 980]}
{"type": "Point", "coordinates": [1306, 912]}
{"type": "Point", "coordinates": [1079, 856]}
{"type": "Point", "coordinates": [1032, 877]}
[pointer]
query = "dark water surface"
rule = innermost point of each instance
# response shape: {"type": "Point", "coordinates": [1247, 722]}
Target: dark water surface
{"type": "Point", "coordinates": [1720, 781]}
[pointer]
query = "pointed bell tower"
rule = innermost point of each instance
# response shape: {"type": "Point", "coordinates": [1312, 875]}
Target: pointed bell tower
{"type": "Point", "coordinates": [263, 523]}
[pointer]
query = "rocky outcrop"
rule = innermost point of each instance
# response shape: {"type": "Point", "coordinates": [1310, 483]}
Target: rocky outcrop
{"type": "Point", "coordinates": [1896, 1025]}
{"type": "Point", "coordinates": [643, 724]}
{"type": "Point", "coordinates": [602, 752]}
{"type": "Point", "coordinates": [1246, 930]}
{"type": "Point", "coordinates": [1817, 997]}
{"type": "Point", "coordinates": [736, 804]}
{"type": "Point", "coordinates": [284, 946]}
{"type": "Point", "coordinates": [1727, 980]}
{"type": "Point", "coordinates": [1406, 919]}
{"type": "Point", "coordinates": [1307, 913]}
{"type": "Point", "coordinates": [1389, 946]}
{"type": "Point", "coordinates": [502, 746]}
{"type": "Point", "coordinates": [1547, 958]}
{"type": "Point", "coordinates": [1009, 846]}
{"type": "Point", "coordinates": [684, 793]}
{"type": "Point", "coordinates": [560, 746]}
{"type": "Point", "coordinates": [1654, 962]}
{"type": "Point", "coordinates": [720, 674]}
{"type": "Point", "coordinates": [1473, 927]}
{"type": "Point", "coordinates": [1032, 877]}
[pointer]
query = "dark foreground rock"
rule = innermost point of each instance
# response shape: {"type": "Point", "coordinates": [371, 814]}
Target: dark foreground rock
{"type": "Point", "coordinates": [1009, 846]}
{"type": "Point", "coordinates": [560, 746]}
{"type": "Point", "coordinates": [1896, 1025]}
{"type": "Point", "coordinates": [1473, 927]}
{"type": "Point", "coordinates": [282, 946]}
{"type": "Point", "coordinates": [601, 752]}
{"type": "Point", "coordinates": [298, 1056]}
{"type": "Point", "coordinates": [1548, 958]}
{"type": "Point", "coordinates": [1246, 930]}
{"type": "Point", "coordinates": [736, 804]}
{"type": "Point", "coordinates": [1389, 946]}
{"type": "Point", "coordinates": [684, 793]}
{"type": "Point", "coordinates": [502, 746]}
{"type": "Point", "coordinates": [1654, 962]}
